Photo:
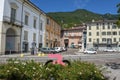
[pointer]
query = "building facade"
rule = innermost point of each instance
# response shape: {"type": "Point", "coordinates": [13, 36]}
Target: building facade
{"type": "Point", "coordinates": [33, 31]}
{"type": "Point", "coordinates": [103, 34]}
{"type": "Point", "coordinates": [73, 37]}
{"type": "Point", "coordinates": [53, 32]}
{"type": "Point", "coordinates": [21, 24]}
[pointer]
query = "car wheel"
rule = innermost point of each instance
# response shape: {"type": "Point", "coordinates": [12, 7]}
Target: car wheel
{"type": "Point", "coordinates": [48, 62]}
{"type": "Point", "coordinates": [66, 62]}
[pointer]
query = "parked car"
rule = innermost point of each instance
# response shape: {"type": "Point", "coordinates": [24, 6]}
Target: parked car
{"type": "Point", "coordinates": [58, 49]}
{"type": "Point", "coordinates": [52, 50]}
{"type": "Point", "coordinates": [109, 50]}
{"type": "Point", "coordinates": [45, 50]}
{"type": "Point", "coordinates": [90, 51]}
{"type": "Point", "coordinates": [48, 50]}
{"type": "Point", "coordinates": [64, 49]}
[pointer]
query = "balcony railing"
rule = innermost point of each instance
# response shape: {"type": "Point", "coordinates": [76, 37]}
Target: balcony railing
{"type": "Point", "coordinates": [79, 36]}
{"type": "Point", "coordinates": [8, 20]}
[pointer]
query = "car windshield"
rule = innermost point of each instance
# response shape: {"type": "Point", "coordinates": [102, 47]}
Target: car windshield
{"type": "Point", "coordinates": [52, 48]}
{"type": "Point", "coordinates": [91, 49]}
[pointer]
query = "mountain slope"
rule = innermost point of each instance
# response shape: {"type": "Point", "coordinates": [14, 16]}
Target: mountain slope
{"type": "Point", "coordinates": [70, 19]}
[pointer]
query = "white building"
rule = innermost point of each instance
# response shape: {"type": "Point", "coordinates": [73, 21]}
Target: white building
{"type": "Point", "coordinates": [103, 34]}
{"type": "Point", "coordinates": [21, 24]}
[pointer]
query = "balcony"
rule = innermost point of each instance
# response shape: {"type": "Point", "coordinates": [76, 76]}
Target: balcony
{"type": "Point", "coordinates": [15, 22]}
{"type": "Point", "coordinates": [75, 36]}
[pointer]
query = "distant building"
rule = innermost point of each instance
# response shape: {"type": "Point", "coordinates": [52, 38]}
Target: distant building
{"type": "Point", "coordinates": [74, 37]}
{"type": "Point", "coordinates": [103, 34]}
{"type": "Point", "coordinates": [53, 32]}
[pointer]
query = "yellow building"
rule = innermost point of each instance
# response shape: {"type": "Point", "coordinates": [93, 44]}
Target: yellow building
{"type": "Point", "coordinates": [53, 32]}
{"type": "Point", "coordinates": [103, 34]}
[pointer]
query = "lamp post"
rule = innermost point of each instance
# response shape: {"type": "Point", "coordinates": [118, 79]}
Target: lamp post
{"type": "Point", "coordinates": [94, 43]}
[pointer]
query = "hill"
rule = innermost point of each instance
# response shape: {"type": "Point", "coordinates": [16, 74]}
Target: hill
{"type": "Point", "coordinates": [69, 19]}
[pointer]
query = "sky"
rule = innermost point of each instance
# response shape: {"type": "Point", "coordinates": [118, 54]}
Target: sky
{"type": "Point", "coordinates": [96, 6]}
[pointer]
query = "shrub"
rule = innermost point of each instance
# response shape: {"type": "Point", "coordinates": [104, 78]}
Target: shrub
{"type": "Point", "coordinates": [30, 70]}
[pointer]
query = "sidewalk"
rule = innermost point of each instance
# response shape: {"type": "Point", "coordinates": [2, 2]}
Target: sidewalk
{"type": "Point", "coordinates": [23, 54]}
{"type": "Point", "coordinates": [113, 74]}
{"type": "Point", "coordinates": [16, 55]}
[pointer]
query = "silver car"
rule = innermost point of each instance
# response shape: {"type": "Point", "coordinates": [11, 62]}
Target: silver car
{"type": "Point", "coordinates": [90, 51]}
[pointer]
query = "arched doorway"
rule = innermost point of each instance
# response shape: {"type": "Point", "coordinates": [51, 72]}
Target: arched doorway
{"type": "Point", "coordinates": [10, 41]}
{"type": "Point", "coordinates": [66, 42]}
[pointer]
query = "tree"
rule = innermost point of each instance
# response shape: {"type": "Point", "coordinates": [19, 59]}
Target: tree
{"type": "Point", "coordinates": [118, 6]}
{"type": "Point", "coordinates": [118, 22]}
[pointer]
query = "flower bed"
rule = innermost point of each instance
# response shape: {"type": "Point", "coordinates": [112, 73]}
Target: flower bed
{"type": "Point", "coordinates": [30, 70]}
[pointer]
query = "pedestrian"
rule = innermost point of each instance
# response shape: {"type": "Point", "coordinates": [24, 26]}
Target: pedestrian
{"type": "Point", "coordinates": [35, 49]}
{"type": "Point", "coordinates": [32, 51]}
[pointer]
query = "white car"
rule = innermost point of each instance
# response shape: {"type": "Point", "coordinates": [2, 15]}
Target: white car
{"type": "Point", "coordinates": [58, 49]}
{"type": "Point", "coordinates": [64, 49]}
{"type": "Point", "coordinates": [109, 50]}
{"type": "Point", "coordinates": [90, 51]}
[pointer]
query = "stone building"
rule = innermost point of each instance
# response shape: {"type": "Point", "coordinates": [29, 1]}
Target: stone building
{"type": "Point", "coordinates": [21, 24]}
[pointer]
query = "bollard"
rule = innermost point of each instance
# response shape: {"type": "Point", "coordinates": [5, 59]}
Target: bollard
{"type": "Point", "coordinates": [43, 54]}
{"type": "Point", "coordinates": [39, 54]}
{"type": "Point", "coordinates": [21, 55]}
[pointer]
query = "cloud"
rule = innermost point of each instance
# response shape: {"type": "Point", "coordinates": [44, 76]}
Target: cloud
{"type": "Point", "coordinates": [80, 3]}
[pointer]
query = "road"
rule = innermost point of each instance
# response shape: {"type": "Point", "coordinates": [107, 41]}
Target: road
{"type": "Point", "coordinates": [71, 54]}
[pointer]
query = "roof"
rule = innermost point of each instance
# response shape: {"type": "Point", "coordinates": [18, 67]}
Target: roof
{"type": "Point", "coordinates": [102, 21]}
{"type": "Point", "coordinates": [36, 7]}
{"type": "Point", "coordinates": [75, 28]}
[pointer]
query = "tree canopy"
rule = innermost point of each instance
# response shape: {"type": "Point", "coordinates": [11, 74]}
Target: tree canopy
{"type": "Point", "coordinates": [118, 11]}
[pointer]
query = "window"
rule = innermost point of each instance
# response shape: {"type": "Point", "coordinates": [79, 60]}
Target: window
{"type": "Point", "coordinates": [26, 19]}
{"type": "Point", "coordinates": [97, 40]}
{"type": "Point", "coordinates": [26, 35]}
{"type": "Point", "coordinates": [108, 25]}
{"type": "Point", "coordinates": [90, 40]}
{"type": "Point", "coordinates": [109, 40]}
{"type": "Point", "coordinates": [114, 39]}
{"type": "Point", "coordinates": [119, 39]}
{"type": "Point", "coordinates": [48, 21]}
{"type": "Point", "coordinates": [119, 32]}
{"type": "Point", "coordinates": [114, 26]}
{"type": "Point", "coordinates": [89, 27]}
{"type": "Point", "coordinates": [108, 33]}
{"type": "Point", "coordinates": [47, 34]}
{"type": "Point", "coordinates": [103, 26]}
{"type": "Point", "coordinates": [103, 39]}
{"type": "Point", "coordinates": [34, 37]}
{"type": "Point", "coordinates": [41, 25]}
{"type": "Point", "coordinates": [34, 23]}
{"type": "Point", "coordinates": [97, 34]}
{"type": "Point", "coordinates": [90, 34]}
{"type": "Point", "coordinates": [114, 33]}
{"type": "Point", "coordinates": [13, 15]}
{"type": "Point", "coordinates": [97, 26]}
{"type": "Point", "coordinates": [103, 33]}
{"type": "Point", "coordinates": [41, 38]}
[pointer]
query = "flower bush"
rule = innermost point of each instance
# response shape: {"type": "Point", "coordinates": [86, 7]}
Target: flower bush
{"type": "Point", "coordinates": [30, 70]}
